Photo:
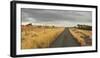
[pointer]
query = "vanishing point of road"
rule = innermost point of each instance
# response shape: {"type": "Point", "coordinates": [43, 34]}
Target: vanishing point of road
{"type": "Point", "coordinates": [65, 39]}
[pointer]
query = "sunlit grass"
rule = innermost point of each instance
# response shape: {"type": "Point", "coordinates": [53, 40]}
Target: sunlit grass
{"type": "Point", "coordinates": [39, 36]}
{"type": "Point", "coordinates": [83, 37]}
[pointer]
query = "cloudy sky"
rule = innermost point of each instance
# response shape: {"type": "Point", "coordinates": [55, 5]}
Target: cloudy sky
{"type": "Point", "coordinates": [56, 17]}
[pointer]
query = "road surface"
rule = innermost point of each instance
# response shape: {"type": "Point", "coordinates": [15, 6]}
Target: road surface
{"type": "Point", "coordinates": [65, 40]}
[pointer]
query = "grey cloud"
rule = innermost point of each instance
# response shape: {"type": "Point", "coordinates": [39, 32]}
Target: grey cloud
{"type": "Point", "coordinates": [44, 15]}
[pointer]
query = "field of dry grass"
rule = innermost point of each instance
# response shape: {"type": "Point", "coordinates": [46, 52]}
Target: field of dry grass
{"type": "Point", "coordinates": [87, 32]}
{"type": "Point", "coordinates": [38, 36]}
{"type": "Point", "coordinates": [84, 37]}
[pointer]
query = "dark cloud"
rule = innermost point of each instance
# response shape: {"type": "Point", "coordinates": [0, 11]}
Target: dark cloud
{"type": "Point", "coordinates": [45, 15]}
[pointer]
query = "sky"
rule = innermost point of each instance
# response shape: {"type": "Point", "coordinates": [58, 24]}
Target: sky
{"type": "Point", "coordinates": [65, 18]}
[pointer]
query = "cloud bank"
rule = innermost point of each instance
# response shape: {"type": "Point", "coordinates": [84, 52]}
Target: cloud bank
{"type": "Point", "coordinates": [57, 17]}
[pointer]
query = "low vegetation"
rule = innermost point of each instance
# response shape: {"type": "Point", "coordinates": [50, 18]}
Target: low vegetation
{"type": "Point", "coordinates": [39, 36]}
{"type": "Point", "coordinates": [83, 36]}
{"type": "Point", "coordinates": [84, 27]}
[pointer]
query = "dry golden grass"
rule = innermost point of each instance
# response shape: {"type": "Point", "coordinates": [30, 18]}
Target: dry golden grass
{"type": "Point", "coordinates": [87, 32]}
{"type": "Point", "coordinates": [79, 35]}
{"type": "Point", "coordinates": [38, 37]}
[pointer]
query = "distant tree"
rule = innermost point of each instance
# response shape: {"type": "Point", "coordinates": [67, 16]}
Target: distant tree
{"type": "Point", "coordinates": [30, 24]}
{"type": "Point", "coordinates": [86, 27]}
{"type": "Point", "coordinates": [53, 26]}
{"type": "Point", "coordinates": [39, 26]}
{"type": "Point", "coordinates": [47, 26]}
{"type": "Point", "coordinates": [79, 26]}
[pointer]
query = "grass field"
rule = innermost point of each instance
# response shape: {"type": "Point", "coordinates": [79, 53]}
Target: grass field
{"type": "Point", "coordinates": [38, 36]}
{"type": "Point", "coordinates": [84, 37]}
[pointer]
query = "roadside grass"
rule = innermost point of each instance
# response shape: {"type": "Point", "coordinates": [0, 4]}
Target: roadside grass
{"type": "Point", "coordinates": [84, 37]}
{"type": "Point", "coordinates": [39, 36]}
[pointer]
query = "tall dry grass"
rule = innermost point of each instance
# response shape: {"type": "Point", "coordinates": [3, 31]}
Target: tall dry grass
{"type": "Point", "coordinates": [81, 35]}
{"type": "Point", "coordinates": [39, 37]}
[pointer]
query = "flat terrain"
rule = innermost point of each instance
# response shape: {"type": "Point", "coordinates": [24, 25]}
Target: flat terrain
{"type": "Point", "coordinates": [84, 37]}
{"type": "Point", "coordinates": [36, 36]}
{"type": "Point", "coordinates": [65, 39]}
{"type": "Point", "coordinates": [39, 36]}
